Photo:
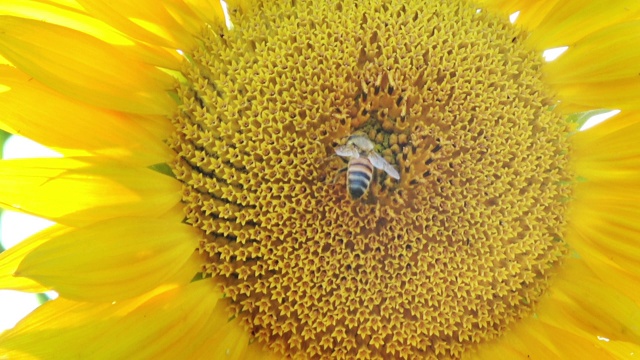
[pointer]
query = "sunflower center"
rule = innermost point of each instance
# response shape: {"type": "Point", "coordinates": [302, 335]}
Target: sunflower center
{"type": "Point", "coordinates": [446, 257]}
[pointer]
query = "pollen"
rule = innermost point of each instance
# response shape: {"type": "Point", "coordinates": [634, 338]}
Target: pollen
{"type": "Point", "coordinates": [428, 266]}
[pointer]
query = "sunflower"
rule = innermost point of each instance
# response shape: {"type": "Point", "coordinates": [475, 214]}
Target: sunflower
{"type": "Point", "coordinates": [201, 208]}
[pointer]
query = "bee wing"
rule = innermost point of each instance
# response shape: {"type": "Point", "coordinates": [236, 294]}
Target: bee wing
{"type": "Point", "coordinates": [347, 150]}
{"type": "Point", "coordinates": [380, 163]}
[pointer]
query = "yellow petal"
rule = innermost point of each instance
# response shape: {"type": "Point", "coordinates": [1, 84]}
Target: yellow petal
{"type": "Point", "coordinates": [580, 301]}
{"type": "Point", "coordinates": [167, 58]}
{"type": "Point", "coordinates": [61, 123]}
{"type": "Point", "coordinates": [11, 258]}
{"type": "Point", "coordinates": [616, 142]}
{"type": "Point", "coordinates": [569, 21]}
{"type": "Point", "coordinates": [157, 325]}
{"type": "Point", "coordinates": [112, 260]}
{"type": "Point", "coordinates": [605, 55]}
{"type": "Point", "coordinates": [600, 70]}
{"type": "Point", "coordinates": [145, 20]}
{"type": "Point", "coordinates": [83, 67]}
{"type": "Point", "coordinates": [224, 339]}
{"type": "Point", "coordinates": [531, 12]}
{"type": "Point", "coordinates": [535, 338]}
{"type": "Point", "coordinates": [607, 270]}
{"type": "Point", "coordinates": [617, 122]}
{"type": "Point", "coordinates": [611, 229]}
{"type": "Point", "coordinates": [583, 96]}
{"type": "Point", "coordinates": [605, 208]}
{"type": "Point", "coordinates": [620, 349]}
{"type": "Point", "coordinates": [575, 346]}
{"type": "Point", "coordinates": [82, 191]}
{"type": "Point", "coordinates": [68, 14]}
{"type": "Point", "coordinates": [41, 334]}
{"type": "Point", "coordinates": [73, 16]}
{"type": "Point", "coordinates": [210, 11]}
{"type": "Point", "coordinates": [181, 12]}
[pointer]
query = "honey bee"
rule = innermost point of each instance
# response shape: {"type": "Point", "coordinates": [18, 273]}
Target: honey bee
{"type": "Point", "coordinates": [362, 160]}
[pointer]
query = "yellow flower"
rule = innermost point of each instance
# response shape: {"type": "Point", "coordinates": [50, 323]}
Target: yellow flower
{"type": "Point", "coordinates": [202, 213]}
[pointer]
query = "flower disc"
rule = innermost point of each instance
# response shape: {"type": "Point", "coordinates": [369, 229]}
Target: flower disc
{"type": "Point", "coordinates": [447, 257]}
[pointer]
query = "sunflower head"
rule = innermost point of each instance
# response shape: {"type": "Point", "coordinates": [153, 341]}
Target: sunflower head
{"type": "Point", "coordinates": [448, 256]}
{"type": "Point", "coordinates": [347, 179]}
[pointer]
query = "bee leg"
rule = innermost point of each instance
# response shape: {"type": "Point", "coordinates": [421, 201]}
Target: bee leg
{"type": "Point", "coordinates": [335, 178]}
{"type": "Point", "coordinates": [326, 159]}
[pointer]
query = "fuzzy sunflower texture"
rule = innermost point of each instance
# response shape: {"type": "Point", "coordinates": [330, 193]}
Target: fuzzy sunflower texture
{"type": "Point", "coordinates": [324, 179]}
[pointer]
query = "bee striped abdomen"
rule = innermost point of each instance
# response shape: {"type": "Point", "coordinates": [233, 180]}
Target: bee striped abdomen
{"type": "Point", "coordinates": [359, 174]}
